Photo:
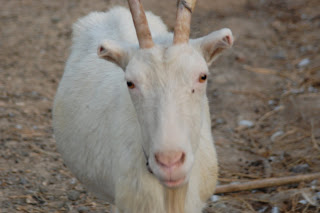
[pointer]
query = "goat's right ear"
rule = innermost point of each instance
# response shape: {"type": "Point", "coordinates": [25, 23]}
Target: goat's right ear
{"type": "Point", "coordinates": [114, 53]}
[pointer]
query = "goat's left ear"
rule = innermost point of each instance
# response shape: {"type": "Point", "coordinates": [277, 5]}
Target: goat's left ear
{"type": "Point", "coordinates": [114, 53]}
{"type": "Point", "coordinates": [212, 45]}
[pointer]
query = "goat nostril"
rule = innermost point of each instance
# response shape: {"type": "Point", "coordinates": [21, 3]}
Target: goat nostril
{"type": "Point", "coordinates": [170, 159]}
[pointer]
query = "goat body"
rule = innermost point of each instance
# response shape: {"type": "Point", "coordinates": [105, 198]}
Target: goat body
{"type": "Point", "coordinates": [99, 124]}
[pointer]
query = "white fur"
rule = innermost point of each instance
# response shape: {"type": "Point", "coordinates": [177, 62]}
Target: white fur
{"type": "Point", "coordinates": [101, 126]}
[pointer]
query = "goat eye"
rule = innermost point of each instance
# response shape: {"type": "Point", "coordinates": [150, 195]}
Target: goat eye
{"type": "Point", "coordinates": [130, 84]}
{"type": "Point", "coordinates": [202, 78]}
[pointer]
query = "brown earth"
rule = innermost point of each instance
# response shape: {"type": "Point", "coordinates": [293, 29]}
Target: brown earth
{"type": "Point", "coordinates": [271, 77]}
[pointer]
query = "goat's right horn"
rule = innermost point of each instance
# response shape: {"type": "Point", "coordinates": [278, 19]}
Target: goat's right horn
{"type": "Point", "coordinates": [182, 27]}
{"type": "Point", "coordinates": [141, 24]}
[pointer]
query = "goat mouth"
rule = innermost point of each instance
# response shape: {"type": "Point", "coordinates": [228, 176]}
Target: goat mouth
{"type": "Point", "coordinates": [174, 183]}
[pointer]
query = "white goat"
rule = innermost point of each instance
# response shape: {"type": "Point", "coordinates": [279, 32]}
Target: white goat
{"type": "Point", "coordinates": [139, 139]}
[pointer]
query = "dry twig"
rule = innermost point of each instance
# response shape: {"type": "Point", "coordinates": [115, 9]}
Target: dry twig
{"type": "Point", "coordinates": [313, 139]}
{"type": "Point", "coordinates": [269, 114]}
{"type": "Point", "coordinates": [268, 182]}
{"type": "Point", "coordinates": [252, 93]}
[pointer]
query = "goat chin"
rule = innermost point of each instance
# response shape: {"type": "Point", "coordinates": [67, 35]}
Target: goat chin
{"type": "Point", "coordinates": [100, 121]}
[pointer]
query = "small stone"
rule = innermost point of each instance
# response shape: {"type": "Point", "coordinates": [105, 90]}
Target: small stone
{"type": "Point", "coordinates": [214, 198]}
{"type": "Point", "coordinates": [304, 202]}
{"type": "Point", "coordinates": [278, 26]}
{"type": "Point", "coordinates": [275, 209]}
{"type": "Point", "coordinates": [58, 204]}
{"type": "Point", "coordinates": [280, 55]}
{"type": "Point", "coordinates": [305, 49]}
{"type": "Point", "coordinates": [314, 182]}
{"type": "Point", "coordinates": [297, 91]}
{"type": "Point", "coordinates": [73, 181]}
{"type": "Point", "coordinates": [240, 57]}
{"type": "Point", "coordinates": [312, 89]}
{"type": "Point", "coordinates": [83, 209]}
{"type": "Point", "coordinates": [23, 181]}
{"type": "Point", "coordinates": [304, 62]}
{"type": "Point", "coordinates": [275, 135]}
{"type": "Point", "coordinates": [30, 200]}
{"type": "Point", "coordinates": [34, 93]}
{"type": "Point", "coordinates": [263, 209]}
{"type": "Point", "coordinates": [73, 195]}
{"type": "Point", "coordinates": [43, 189]}
{"type": "Point", "coordinates": [220, 121]}
{"type": "Point", "coordinates": [317, 196]}
{"type": "Point", "coordinates": [301, 168]}
{"type": "Point", "coordinates": [271, 102]}
{"type": "Point", "coordinates": [55, 19]}
{"type": "Point", "coordinates": [272, 158]}
{"type": "Point", "coordinates": [278, 108]}
{"type": "Point", "coordinates": [304, 16]}
{"type": "Point", "coordinates": [246, 123]}
{"type": "Point", "coordinates": [18, 126]}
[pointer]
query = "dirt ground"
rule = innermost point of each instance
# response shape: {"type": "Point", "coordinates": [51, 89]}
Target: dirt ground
{"type": "Point", "coordinates": [264, 98]}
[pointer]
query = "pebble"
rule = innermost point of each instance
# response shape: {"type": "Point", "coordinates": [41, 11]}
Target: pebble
{"type": "Point", "coordinates": [278, 108]}
{"type": "Point", "coordinates": [297, 91]}
{"type": "Point", "coordinates": [246, 123]}
{"type": "Point", "coordinates": [55, 19]}
{"type": "Point", "coordinates": [272, 158]}
{"type": "Point", "coordinates": [83, 209]}
{"type": "Point", "coordinates": [304, 202]}
{"type": "Point", "coordinates": [43, 189]}
{"type": "Point", "coordinates": [312, 89]}
{"type": "Point", "coordinates": [263, 209]}
{"type": "Point", "coordinates": [23, 181]}
{"type": "Point", "coordinates": [275, 135]}
{"type": "Point", "coordinates": [73, 181]}
{"type": "Point", "coordinates": [59, 204]}
{"type": "Point", "coordinates": [318, 195]}
{"type": "Point", "coordinates": [240, 57]}
{"type": "Point", "coordinates": [314, 182]}
{"type": "Point", "coordinates": [220, 121]}
{"type": "Point", "coordinates": [34, 93]}
{"type": "Point", "coordinates": [280, 55]}
{"type": "Point", "coordinates": [30, 200]}
{"type": "Point", "coordinates": [301, 168]}
{"type": "Point", "coordinates": [275, 210]}
{"type": "Point", "coordinates": [271, 102]}
{"type": "Point", "coordinates": [214, 198]}
{"type": "Point", "coordinates": [304, 62]}
{"type": "Point", "coordinates": [307, 48]}
{"type": "Point", "coordinates": [73, 195]}
{"type": "Point", "coordinates": [18, 126]}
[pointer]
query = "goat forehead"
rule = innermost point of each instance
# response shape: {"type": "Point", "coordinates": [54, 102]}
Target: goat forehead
{"type": "Point", "coordinates": [172, 66]}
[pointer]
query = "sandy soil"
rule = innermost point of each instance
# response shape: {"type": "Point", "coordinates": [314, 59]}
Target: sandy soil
{"type": "Point", "coordinates": [270, 78]}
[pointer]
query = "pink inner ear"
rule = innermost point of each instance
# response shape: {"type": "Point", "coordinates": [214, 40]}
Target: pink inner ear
{"type": "Point", "coordinates": [101, 49]}
{"type": "Point", "coordinates": [227, 39]}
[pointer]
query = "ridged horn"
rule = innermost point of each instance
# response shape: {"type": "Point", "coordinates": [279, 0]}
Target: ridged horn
{"type": "Point", "coordinates": [183, 20]}
{"type": "Point", "coordinates": [141, 24]}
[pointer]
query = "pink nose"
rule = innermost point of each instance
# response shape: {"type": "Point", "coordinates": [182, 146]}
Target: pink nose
{"type": "Point", "coordinates": [170, 159]}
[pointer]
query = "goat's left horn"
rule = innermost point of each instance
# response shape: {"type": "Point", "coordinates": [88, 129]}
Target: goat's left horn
{"type": "Point", "coordinates": [183, 20]}
{"type": "Point", "coordinates": [141, 24]}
